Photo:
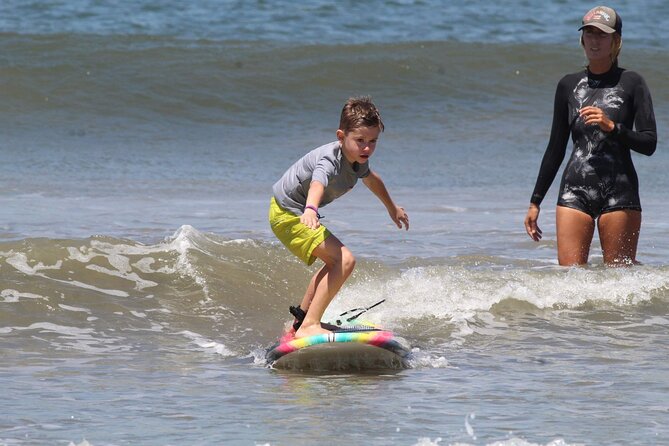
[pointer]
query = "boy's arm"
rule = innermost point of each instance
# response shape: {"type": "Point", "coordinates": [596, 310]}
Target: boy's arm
{"type": "Point", "coordinates": [309, 216]}
{"type": "Point", "coordinates": [374, 183]}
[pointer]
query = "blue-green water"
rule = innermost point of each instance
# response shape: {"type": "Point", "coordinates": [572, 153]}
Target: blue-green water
{"type": "Point", "coordinates": [140, 284]}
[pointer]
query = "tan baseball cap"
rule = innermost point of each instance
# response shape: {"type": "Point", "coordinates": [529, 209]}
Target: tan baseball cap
{"type": "Point", "coordinates": [604, 18]}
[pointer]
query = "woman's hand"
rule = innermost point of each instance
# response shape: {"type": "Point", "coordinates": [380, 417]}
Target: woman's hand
{"type": "Point", "coordinates": [531, 223]}
{"type": "Point", "coordinates": [596, 116]}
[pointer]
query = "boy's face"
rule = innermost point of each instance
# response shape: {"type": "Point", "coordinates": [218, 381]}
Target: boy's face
{"type": "Point", "coordinates": [358, 144]}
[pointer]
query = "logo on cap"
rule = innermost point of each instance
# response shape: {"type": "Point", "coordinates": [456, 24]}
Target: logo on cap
{"type": "Point", "coordinates": [597, 16]}
{"type": "Point", "coordinates": [604, 18]}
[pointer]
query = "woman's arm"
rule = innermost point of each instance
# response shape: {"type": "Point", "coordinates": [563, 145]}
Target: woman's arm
{"type": "Point", "coordinates": [557, 145]}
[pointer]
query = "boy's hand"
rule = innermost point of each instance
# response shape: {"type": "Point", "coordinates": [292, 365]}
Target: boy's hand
{"type": "Point", "coordinates": [310, 219]}
{"type": "Point", "coordinates": [400, 217]}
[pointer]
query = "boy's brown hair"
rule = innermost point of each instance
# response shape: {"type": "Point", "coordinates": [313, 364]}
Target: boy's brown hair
{"type": "Point", "coordinates": [359, 112]}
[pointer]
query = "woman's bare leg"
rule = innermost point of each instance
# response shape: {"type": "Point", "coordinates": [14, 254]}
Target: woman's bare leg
{"type": "Point", "coordinates": [619, 236]}
{"type": "Point", "coordinates": [574, 235]}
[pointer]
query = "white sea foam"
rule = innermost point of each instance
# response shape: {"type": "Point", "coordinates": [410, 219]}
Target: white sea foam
{"type": "Point", "coordinates": [458, 293]}
{"type": "Point", "coordinates": [510, 442]}
{"type": "Point", "coordinates": [10, 295]}
{"type": "Point", "coordinates": [468, 426]}
{"type": "Point", "coordinates": [122, 266]}
{"type": "Point", "coordinates": [428, 442]}
{"type": "Point", "coordinates": [182, 242]}
{"type": "Point", "coordinates": [68, 337]}
{"type": "Point", "coordinates": [117, 256]}
{"type": "Point", "coordinates": [258, 355]}
{"type": "Point", "coordinates": [76, 309]}
{"type": "Point", "coordinates": [456, 209]}
{"type": "Point", "coordinates": [133, 277]}
{"type": "Point", "coordinates": [83, 254]}
{"type": "Point", "coordinates": [20, 262]}
{"type": "Point", "coordinates": [207, 344]}
{"type": "Point", "coordinates": [111, 292]}
{"type": "Point", "coordinates": [421, 359]}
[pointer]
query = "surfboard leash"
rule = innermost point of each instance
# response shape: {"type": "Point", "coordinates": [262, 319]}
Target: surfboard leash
{"type": "Point", "coordinates": [361, 311]}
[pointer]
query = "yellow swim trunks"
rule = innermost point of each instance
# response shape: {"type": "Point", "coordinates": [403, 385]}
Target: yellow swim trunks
{"type": "Point", "coordinates": [298, 238]}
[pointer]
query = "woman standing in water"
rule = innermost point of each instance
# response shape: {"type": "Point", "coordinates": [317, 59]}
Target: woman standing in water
{"type": "Point", "coordinates": [608, 112]}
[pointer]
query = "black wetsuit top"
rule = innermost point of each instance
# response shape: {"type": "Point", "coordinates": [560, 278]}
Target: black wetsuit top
{"type": "Point", "coordinates": [599, 176]}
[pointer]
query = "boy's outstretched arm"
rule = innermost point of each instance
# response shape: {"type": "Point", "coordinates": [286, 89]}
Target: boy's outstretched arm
{"type": "Point", "coordinates": [374, 183]}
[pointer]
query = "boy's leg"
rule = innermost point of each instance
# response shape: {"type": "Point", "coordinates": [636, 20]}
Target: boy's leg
{"type": "Point", "coordinates": [311, 289]}
{"type": "Point", "coordinates": [339, 264]}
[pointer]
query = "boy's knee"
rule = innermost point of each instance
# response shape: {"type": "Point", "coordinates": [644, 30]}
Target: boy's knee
{"type": "Point", "coordinates": [347, 261]}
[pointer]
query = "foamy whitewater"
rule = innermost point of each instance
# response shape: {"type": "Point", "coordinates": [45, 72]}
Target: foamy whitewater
{"type": "Point", "coordinates": [140, 284]}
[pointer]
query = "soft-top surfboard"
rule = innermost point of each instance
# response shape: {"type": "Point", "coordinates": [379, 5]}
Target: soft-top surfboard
{"type": "Point", "coordinates": [346, 348]}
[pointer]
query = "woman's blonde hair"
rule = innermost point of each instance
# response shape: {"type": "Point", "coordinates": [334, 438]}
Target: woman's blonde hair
{"type": "Point", "coordinates": [616, 46]}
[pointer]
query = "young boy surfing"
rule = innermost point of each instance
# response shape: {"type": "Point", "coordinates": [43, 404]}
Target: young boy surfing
{"type": "Point", "coordinates": [321, 176]}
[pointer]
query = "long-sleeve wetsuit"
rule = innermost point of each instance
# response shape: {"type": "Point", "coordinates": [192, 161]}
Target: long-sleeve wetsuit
{"type": "Point", "coordinates": [599, 176]}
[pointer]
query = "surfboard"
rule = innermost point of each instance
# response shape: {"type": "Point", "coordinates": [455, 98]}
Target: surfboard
{"type": "Point", "coordinates": [346, 348]}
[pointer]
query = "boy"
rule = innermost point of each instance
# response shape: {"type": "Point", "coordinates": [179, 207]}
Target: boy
{"type": "Point", "coordinates": [318, 178]}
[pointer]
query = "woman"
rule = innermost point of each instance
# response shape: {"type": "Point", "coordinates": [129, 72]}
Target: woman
{"type": "Point", "coordinates": [608, 111]}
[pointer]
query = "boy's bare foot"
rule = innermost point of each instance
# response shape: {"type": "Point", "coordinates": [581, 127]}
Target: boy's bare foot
{"type": "Point", "coordinates": [310, 330]}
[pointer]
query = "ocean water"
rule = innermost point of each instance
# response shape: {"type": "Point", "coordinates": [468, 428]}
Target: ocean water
{"type": "Point", "coordinates": [140, 284]}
